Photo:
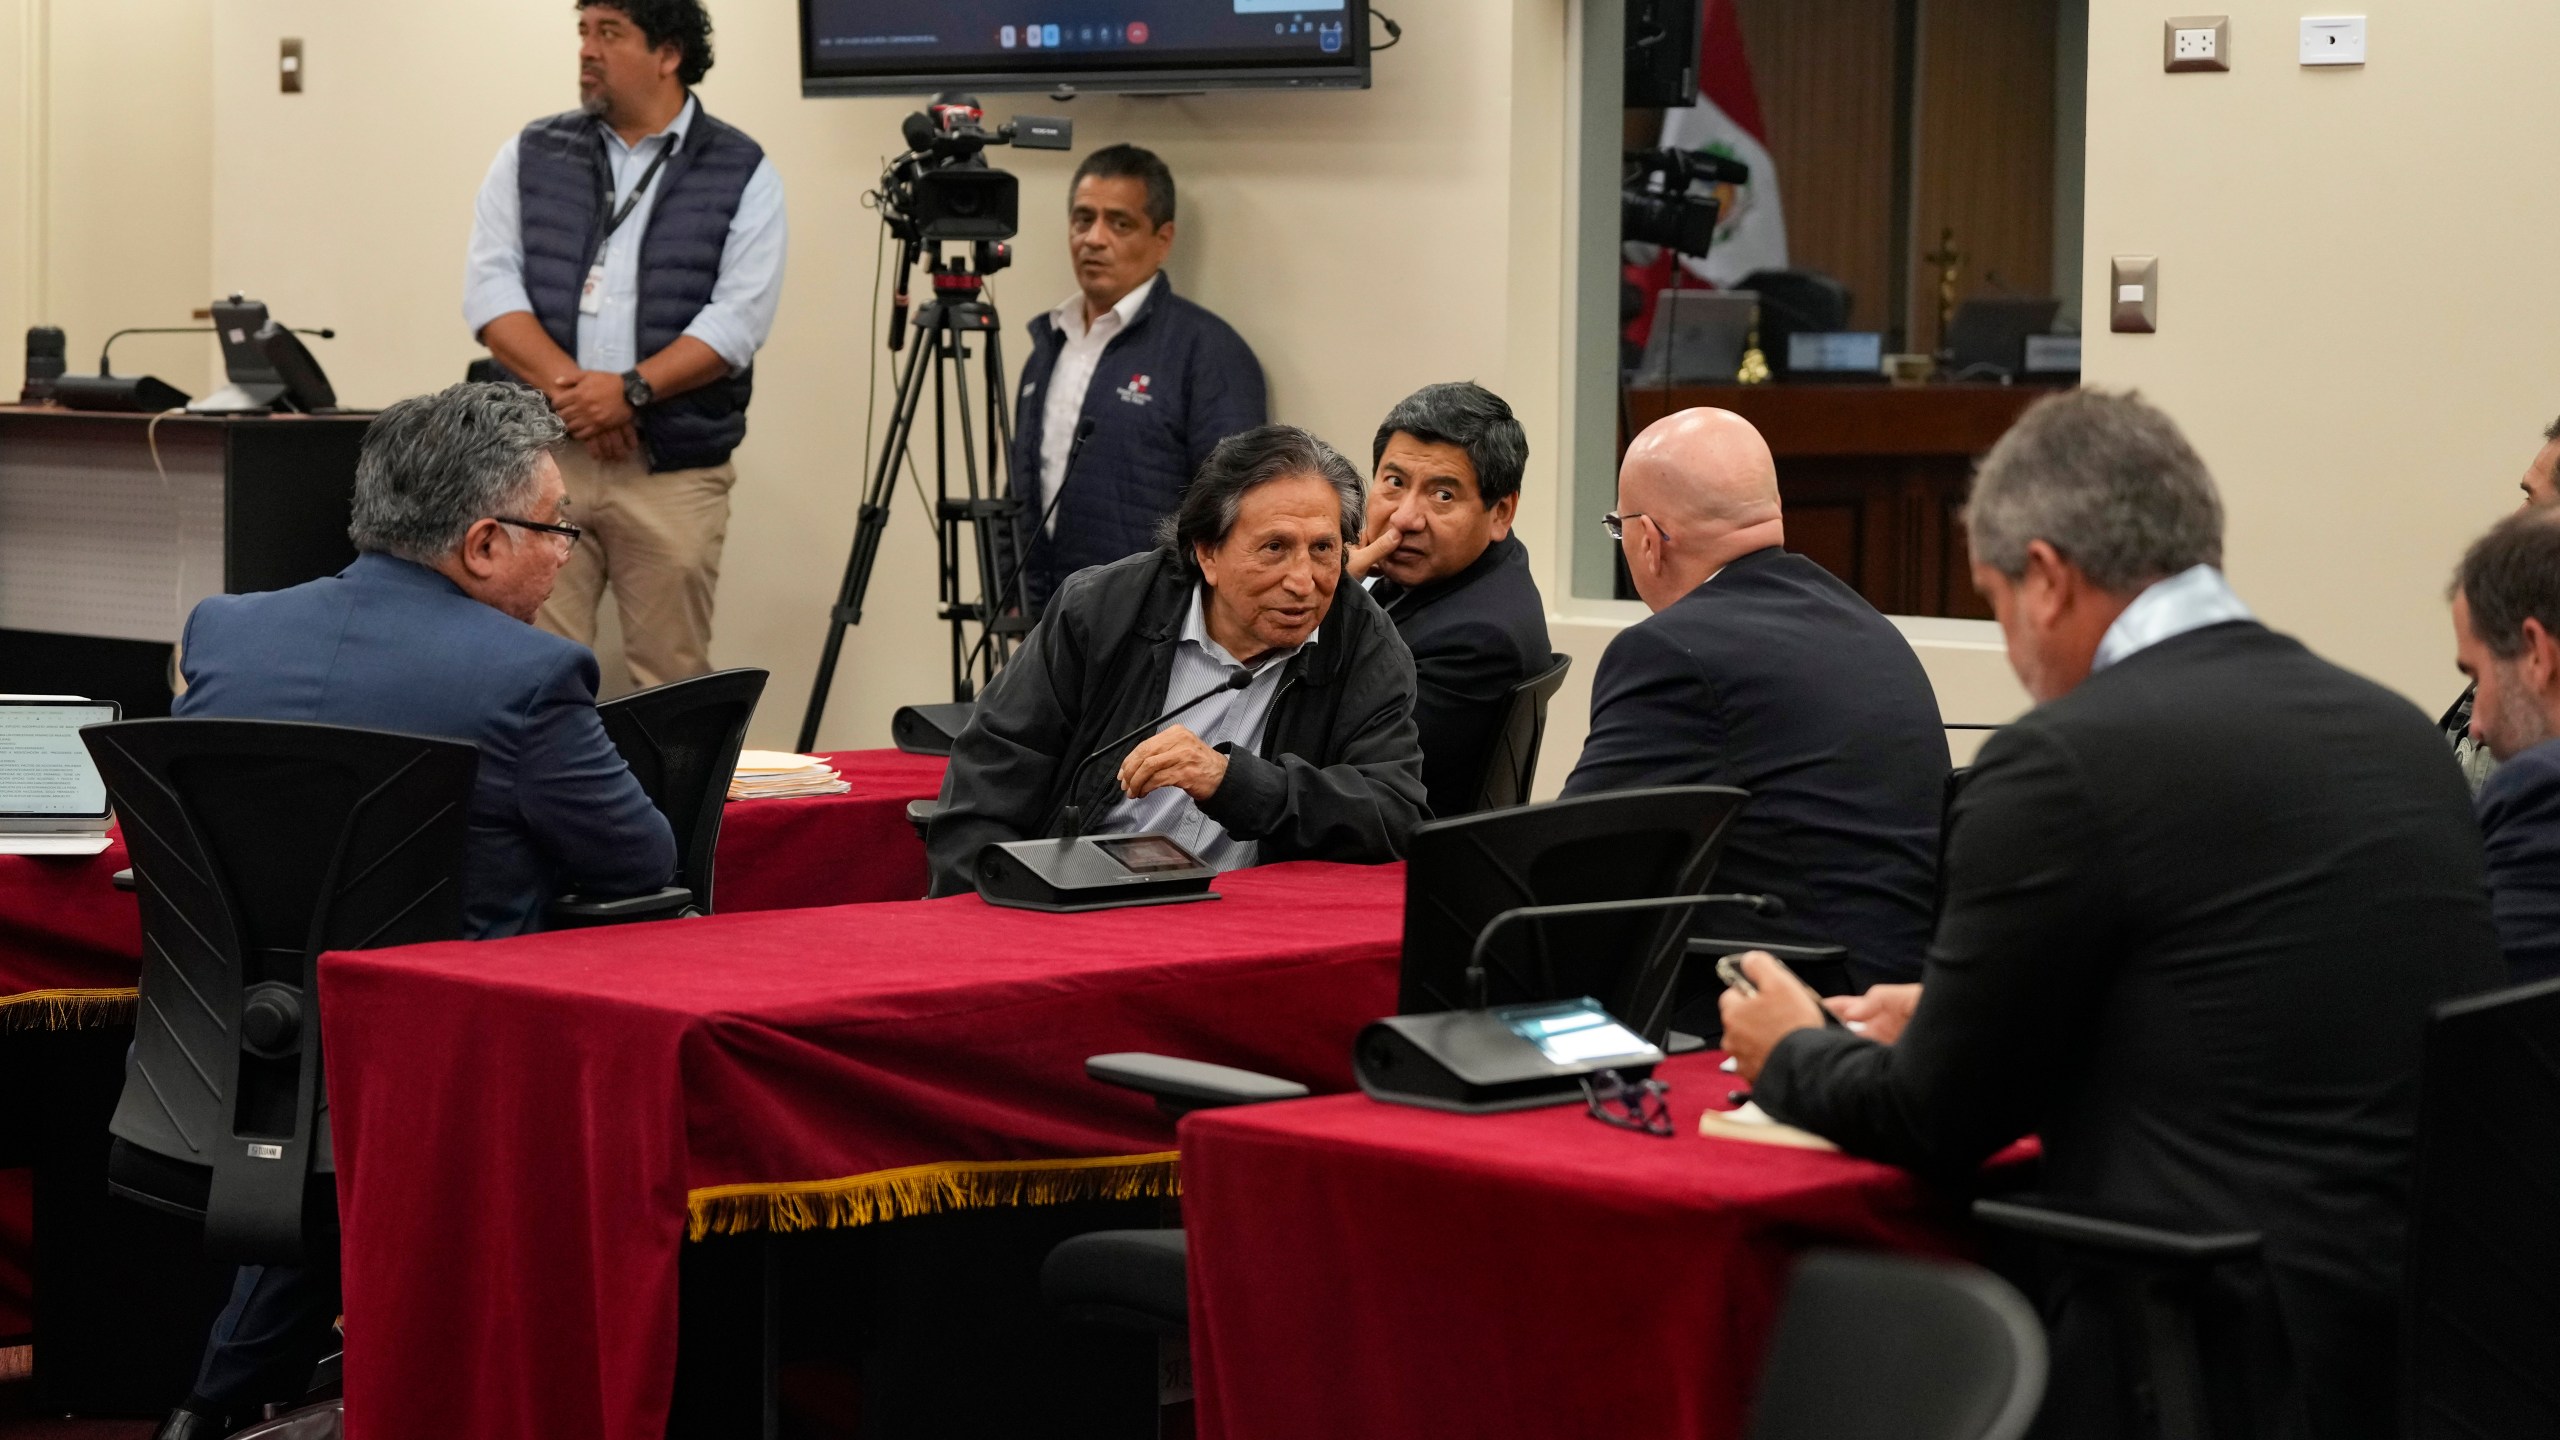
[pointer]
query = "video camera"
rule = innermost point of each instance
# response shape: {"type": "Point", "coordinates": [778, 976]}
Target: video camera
{"type": "Point", "coordinates": [943, 188]}
{"type": "Point", "coordinates": [1655, 206]}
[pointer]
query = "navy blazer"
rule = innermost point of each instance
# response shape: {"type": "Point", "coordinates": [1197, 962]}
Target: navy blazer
{"type": "Point", "coordinates": [1775, 677]}
{"type": "Point", "coordinates": [1169, 387]}
{"type": "Point", "coordinates": [389, 645]}
{"type": "Point", "coordinates": [1474, 636]}
{"type": "Point", "coordinates": [2519, 810]}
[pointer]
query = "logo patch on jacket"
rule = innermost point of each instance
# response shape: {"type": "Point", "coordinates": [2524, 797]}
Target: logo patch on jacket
{"type": "Point", "coordinates": [1135, 392]}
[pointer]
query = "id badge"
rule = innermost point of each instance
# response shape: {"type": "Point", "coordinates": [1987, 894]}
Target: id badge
{"type": "Point", "coordinates": [591, 294]}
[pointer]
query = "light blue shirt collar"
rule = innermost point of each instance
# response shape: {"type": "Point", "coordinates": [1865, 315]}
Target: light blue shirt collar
{"type": "Point", "coordinates": [679, 127]}
{"type": "Point", "coordinates": [2189, 600]}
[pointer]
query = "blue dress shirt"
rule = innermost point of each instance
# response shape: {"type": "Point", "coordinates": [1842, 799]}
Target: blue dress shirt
{"type": "Point", "coordinates": [740, 314]}
{"type": "Point", "coordinates": [2189, 600]}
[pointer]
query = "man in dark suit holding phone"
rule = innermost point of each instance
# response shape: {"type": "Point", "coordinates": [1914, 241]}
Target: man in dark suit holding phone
{"type": "Point", "coordinates": [2198, 966]}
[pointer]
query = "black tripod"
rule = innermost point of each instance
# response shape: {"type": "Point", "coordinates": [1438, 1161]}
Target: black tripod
{"type": "Point", "coordinates": [940, 362]}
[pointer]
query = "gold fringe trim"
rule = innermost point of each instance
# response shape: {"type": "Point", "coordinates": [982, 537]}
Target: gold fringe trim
{"type": "Point", "coordinates": [927, 1190]}
{"type": "Point", "coordinates": [66, 1009]}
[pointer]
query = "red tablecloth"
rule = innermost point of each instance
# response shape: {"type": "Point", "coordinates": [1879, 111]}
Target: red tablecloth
{"type": "Point", "coordinates": [526, 1128]}
{"type": "Point", "coordinates": [1360, 1269]}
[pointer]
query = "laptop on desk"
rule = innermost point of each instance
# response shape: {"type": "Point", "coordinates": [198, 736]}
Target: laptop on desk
{"type": "Point", "coordinates": [52, 800]}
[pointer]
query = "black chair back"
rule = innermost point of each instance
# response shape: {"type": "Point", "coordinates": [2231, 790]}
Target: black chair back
{"type": "Point", "coordinates": [257, 846]}
{"type": "Point", "coordinates": [2482, 1309]}
{"type": "Point", "coordinates": [1511, 761]}
{"type": "Point", "coordinates": [1888, 1347]}
{"type": "Point", "coordinates": [1625, 845]}
{"type": "Point", "coordinates": [682, 740]}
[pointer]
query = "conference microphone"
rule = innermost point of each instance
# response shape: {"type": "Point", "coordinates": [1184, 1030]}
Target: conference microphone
{"type": "Point", "coordinates": [103, 371]}
{"type": "Point", "coordinates": [1074, 816]}
{"type": "Point", "coordinates": [1478, 976]}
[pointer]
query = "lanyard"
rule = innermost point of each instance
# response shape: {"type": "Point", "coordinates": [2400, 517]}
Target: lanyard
{"type": "Point", "coordinates": [632, 201]}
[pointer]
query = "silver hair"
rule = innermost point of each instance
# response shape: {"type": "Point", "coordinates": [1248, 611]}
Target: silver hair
{"type": "Point", "coordinates": [434, 464]}
{"type": "Point", "coordinates": [2106, 480]}
{"type": "Point", "coordinates": [1207, 514]}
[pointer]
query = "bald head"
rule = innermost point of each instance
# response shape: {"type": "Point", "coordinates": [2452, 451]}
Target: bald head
{"type": "Point", "coordinates": [1707, 487]}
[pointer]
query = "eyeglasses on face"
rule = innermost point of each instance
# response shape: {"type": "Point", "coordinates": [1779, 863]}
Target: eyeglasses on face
{"type": "Point", "coordinates": [1616, 524]}
{"type": "Point", "coordinates": [572, 531]}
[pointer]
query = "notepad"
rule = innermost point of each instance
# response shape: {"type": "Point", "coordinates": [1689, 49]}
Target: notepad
{"type": "Point", "coordinates": [1758, 1126]}
{"type": "Point", "coordinates": [779, 774]}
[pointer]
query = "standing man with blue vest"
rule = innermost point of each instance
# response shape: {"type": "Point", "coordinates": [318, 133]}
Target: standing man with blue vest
{"type": "Point", "coordinates": [627, 262]}
{"type": "Point", "coordinates": [1161, 380]}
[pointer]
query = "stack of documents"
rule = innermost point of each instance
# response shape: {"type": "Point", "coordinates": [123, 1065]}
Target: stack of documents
{"type": "Point", "coordinates": [772, 774]}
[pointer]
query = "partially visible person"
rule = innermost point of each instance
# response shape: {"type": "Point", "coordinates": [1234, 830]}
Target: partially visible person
{"type": "Point", "coordinates": [461, 526]}
{"type": "Point", "coordinates": [626, 260]}
{"type": "Point", "coordinates": [1161, 379]}
{"type": "Point", "coordinates": [1314, 759]}
{"type": "Point", "coordinates": [1443, 564]}
{"type": "Point", "coordinates": [2477, 762]}
{"type": "Point", "coordinates": [2506, 631]}
{"type": "Point", "coordinates": [1760, 669]}
{"type": "Point", "coordinates": [2197, 967]}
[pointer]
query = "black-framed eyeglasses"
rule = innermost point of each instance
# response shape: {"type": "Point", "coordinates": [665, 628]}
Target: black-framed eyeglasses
{"type": "Point", "coordinates": [572, 531]}
{"type": "Point", "coordinates": [1628, 1104]}
{"type": "Point", "coordinates": [1616, 524]}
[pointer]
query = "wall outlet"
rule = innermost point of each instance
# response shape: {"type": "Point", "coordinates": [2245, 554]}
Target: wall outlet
{"type": "Point", "coordinates": [2332, 39]}
{"type": "Point", "coordinates": [2196, 42]}
{"type": "Point", "coordinates": [289, 66]}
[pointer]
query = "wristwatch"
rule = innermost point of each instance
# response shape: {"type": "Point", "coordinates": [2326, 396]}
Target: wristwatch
{"type": "Point", "coordinates": [635, 390]}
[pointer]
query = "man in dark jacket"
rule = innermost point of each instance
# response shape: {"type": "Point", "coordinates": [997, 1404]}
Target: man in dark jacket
{"type": "Point", "coordinates": [1446, 569]}
{"type": "Point", "coordinates": [1314, 759]}
{"type": "Point", "coordinates": [1160, 380]}
{"type": "Point", "coordinates": [2506, 629]}
{"type": "Point", "coordinates": [2198, 966]}
{"type": "Point", "coordinates": [460, 527]}
{"type": "Point", "coordinates": [1760, 669]}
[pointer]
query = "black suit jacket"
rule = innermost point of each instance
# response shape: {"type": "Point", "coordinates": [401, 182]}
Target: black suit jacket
{"type": "Point", "coordinates": [1776, 677]}
{"type": "Point", "coordinates": [2199, 966]}
{"type": "Point", "coordinates": [2520, 821]}
{"type": "Point", "coordinates": [1474, 636]}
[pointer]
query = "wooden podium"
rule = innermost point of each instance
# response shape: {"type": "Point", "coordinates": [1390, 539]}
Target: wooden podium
{"type": "Point", "coordinates": [1873, 476]}
{"type": "Point", "coordinates": [112, 527]}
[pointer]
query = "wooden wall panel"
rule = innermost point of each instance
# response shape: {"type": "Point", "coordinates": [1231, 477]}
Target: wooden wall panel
{"type": "Point", "coordinates": [1824, 70]}
{"type": "Point", "coordinates": [1984, 141]}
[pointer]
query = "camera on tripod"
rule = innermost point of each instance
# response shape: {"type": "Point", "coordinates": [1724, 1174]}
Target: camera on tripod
{"type": "Point", "coordinates": [1654, 203]}
{"type": "Point", "coordinates": [944, 189]}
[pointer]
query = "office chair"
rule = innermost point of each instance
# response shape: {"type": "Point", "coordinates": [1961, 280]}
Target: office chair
{"type": "Point", "coordinates": [1888, 1347]}
{"type": "Point", "coordinates": [261, 844]}
{"type": "Point", "coordinates": [1792, 302]}
{"type": "Point", "coordinates": [1511, 760]}
{"type": "Point", "coordinates": [1459, 875]}
{"type": "Point", "coordinates": [681, 740]}
{"type": "Point", "coordinates": [2480, 1317]}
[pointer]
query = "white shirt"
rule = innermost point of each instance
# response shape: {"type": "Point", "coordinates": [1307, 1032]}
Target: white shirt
{"type": "Point", "coordinates": [734, 322]}
{"type": "Point", "coordinates": [2189, 600]}
{"type": "Point", "coordinates": [1071, 377]}
{"type": "Point", "coordinates": [1233, 717]}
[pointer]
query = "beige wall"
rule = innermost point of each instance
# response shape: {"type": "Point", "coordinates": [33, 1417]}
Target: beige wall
{"type": "Point", "coordinates": [2359, 319]}
{"type": "Point", "coordinates": [1365, 243]}
{"type": "Point", "coordinates": [106, 153]}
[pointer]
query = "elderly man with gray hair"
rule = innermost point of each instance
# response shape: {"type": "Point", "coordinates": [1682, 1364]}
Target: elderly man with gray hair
{"type": "Point", "coordinates": [2197, 965]}
{"type": "Point", "coordinates": [1302, 745]}
{"type": "Point", "coordinates": [460, 521]}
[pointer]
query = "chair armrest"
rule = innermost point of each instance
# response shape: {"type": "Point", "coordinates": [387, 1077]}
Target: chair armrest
{"type": "Point", "coordinates": [920, 814]}
{"type": "Point", "coordinates": [123, 880]}
{"type": "Point", "coordinates": [1182, 1086]}
{"type": "Point", "coordinates": [2117, 1238]}
{"type": "Point", "coordinates": [577, 912]}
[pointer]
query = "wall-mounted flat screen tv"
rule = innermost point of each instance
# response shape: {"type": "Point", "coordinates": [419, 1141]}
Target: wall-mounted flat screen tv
{"type": "Point", "coordinates": [913, 47]}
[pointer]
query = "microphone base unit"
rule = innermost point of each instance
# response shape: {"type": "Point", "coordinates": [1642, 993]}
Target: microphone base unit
{"type": "Point", "coordinates": [256, 398]}
{"type": "Point", "coordinates": [1482, 1062]}
{"type": "Point", "coordinates": [1078, 873]}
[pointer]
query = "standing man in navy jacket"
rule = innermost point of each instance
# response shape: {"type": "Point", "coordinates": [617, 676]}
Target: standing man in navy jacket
{"type": "Point", "coordinates": [1161, 380]}
{"type": "Point", "coordinates": [627, 262]}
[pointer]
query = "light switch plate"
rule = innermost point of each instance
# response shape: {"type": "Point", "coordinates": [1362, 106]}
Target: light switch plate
{"type": "Point", "coordinates": [2332, 39]}
{"type": "Point", "coordinates": [289, 66]}
{"type": "Point", "coordinates": [2134, 287]}
{"type": "Point", "coordinates": [2195, 42]}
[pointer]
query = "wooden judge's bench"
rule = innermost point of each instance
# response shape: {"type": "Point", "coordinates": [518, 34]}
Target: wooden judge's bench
{"type": "Point", "coordinates": [1873, 476]}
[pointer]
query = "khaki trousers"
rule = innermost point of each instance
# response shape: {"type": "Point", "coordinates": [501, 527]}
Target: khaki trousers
{"type": "Point", "coordinates": [655, 539]}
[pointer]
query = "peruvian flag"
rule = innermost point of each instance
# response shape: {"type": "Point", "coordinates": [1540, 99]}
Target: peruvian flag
{"type": "Point", "coordinates": [1751, 228]}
